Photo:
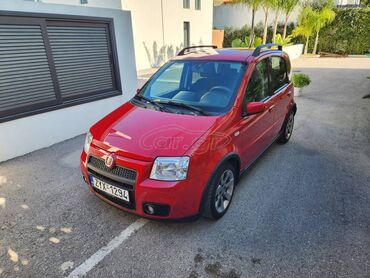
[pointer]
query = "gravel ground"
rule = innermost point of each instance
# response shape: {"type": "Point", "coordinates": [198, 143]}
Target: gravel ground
{"type": "Point", "coordinates": [301, 210]}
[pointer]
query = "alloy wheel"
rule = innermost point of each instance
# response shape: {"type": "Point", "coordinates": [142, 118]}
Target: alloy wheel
{"type": "Point", "coordinates": [224, 191]}
{"type": "Point", "coordinates": [289, 126]}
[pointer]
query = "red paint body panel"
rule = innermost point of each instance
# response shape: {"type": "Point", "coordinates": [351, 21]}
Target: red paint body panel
{"type": "Point", "coordinates": [138, 135]}
{"type": "Point", "coordinates": [144, 134]}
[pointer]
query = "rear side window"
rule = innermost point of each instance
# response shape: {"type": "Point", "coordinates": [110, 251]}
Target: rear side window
{"type": "Point", "coordinates": [279, 73]}
{"type": "Point", "coordinates": [258, 86]}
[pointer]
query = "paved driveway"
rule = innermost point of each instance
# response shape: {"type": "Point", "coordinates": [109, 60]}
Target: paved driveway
{"type": "Point", "coordinates": [302, 210]}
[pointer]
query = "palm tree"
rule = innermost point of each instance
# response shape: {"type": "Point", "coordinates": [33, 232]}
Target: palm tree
{"type": "Point", "coordinates": [288, 7]}
{"type": "Point", "coordinates": [254, 5]}
{"type": "Point", "coordinates": [278, 6]}
{"type": "Point", "coordinates": [266, 6]}
{"type": "Point", "coordinates": [323, 17]}
{"type": "Point", "coordinates": [306, 23]}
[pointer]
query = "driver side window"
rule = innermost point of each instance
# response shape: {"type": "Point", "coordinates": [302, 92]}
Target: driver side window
{"type": "Point", "coordinates": [258, 85]}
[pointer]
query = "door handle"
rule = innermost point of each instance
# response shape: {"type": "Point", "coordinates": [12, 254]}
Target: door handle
{"type": "Point", "coordinates": [271, 107]}
{"type": "Point", "coordinates": [289, 93]}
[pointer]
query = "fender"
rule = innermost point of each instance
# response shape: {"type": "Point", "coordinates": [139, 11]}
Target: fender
{"type": "Point", "coordinates": [227, 157]}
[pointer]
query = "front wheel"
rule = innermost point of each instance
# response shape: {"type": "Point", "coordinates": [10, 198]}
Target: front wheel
{"type": "Point", "coordinates": [219, 192]}
{"type": "Point", "coordinates": [287, 129]}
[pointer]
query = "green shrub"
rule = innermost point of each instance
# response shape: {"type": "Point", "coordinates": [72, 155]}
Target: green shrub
{"type": "Point", "coordinates": [239, 43]}
{"type": "Point", "coordinates": [257, 41]}
{"type": "Point", "coordinates": [284, 42]}
{"type": "Point", "coordinates": [301, 80]}
{"type": "Point", "coordinates": [348, 33]}
{"type": "Point", "coordinates": [232, 33]}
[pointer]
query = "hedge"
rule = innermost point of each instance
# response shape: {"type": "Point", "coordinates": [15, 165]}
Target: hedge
{"type": "Point", "coordinates": [348, 33]}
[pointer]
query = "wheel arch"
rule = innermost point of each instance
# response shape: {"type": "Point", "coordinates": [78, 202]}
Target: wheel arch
{"type": "Point", "coordinates": [294, 108]}
{"type": "Point", "coordinates": [233, 159]}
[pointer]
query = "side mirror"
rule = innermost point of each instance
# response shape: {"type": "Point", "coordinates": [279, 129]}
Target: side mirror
{"type": "Point", "coordinates": [255, 108]}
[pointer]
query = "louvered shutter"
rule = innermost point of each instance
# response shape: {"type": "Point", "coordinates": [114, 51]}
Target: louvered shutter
{"type": "Point", "coordinates": [82, 59]}
{"type": "Point", "coordinates": [25, 78]}
{"type": "Point", "coordinates": [51, 63]}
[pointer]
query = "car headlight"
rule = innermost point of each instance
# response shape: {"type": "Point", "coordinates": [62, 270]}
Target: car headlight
{"type": "Point", "coordinates": [170, 168]}
{"type": "Point", "coordinates": [88, 141]}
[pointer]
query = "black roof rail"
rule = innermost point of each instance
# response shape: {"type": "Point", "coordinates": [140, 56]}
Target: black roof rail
{"type": "Point", "coordinates": [258, 49]}
{"type": "Point", "coordinates": [182, 52]}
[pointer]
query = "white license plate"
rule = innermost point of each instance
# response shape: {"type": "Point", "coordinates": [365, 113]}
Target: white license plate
{"type": "Point", "coordinates": [110, 189]}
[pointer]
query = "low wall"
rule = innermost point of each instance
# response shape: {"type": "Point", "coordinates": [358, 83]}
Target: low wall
{"type": "Point", "coordinates": [294, 51]}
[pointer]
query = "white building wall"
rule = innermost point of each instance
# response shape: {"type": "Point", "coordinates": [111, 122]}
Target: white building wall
{"type": "Point", "coordinates": [159, 35]}
{"type": "Point", "coordinates": [24, 135]}
{"type": "Point", "coordinates": [237, 16]}
{"type": "Point", "coordinates": [347, 2]}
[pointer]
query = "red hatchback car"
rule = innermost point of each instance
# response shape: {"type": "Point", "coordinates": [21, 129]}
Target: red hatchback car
{"type": "Point", "coordinates": [177, 148]}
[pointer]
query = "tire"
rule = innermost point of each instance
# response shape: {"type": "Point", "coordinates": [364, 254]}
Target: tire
{"type": "Point", "coordinates": [287, 129]}
{"type": "Point", "coordinates": [221, 189]}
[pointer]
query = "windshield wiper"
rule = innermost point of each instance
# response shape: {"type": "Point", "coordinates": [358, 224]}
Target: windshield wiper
{"type": "Point", "coordinates": [155, 103]}
{"type": "Point", "coordinates": [189, 107]}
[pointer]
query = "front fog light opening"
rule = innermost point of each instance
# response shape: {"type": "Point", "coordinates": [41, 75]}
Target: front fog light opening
{"type": "Point", "coordinates": [149, 209]}
{"type": "Point", "coordinates": [156, 209]}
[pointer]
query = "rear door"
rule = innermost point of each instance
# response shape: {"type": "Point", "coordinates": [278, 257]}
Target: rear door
{"type": "Point", "coordinates": [281, 91]}
{"type": "Point", "coordinates": [256, 130]}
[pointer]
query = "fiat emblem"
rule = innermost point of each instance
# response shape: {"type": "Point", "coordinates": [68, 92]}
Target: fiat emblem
{"type": "Point", "coordinates": [110, 161]}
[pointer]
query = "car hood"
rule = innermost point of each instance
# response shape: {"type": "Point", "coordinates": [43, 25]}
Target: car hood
{"type": "Point", "coordinates": [144, 134]}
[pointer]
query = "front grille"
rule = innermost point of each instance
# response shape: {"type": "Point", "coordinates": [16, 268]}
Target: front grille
{"type": "Point", "coordinates": [118, 173]}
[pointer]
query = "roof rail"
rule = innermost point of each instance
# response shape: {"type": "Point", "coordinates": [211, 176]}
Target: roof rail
{"type": "Point", "coordinates": [258, 49]}
{"type": "Point", "coordinates": [182, 52]}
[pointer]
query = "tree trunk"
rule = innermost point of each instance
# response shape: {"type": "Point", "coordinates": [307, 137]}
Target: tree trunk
{"type": "Point", "coordinates": [265, 26]}
{"type": "Point", "coordinates": [316, 42]}
{"type": "Point", "coordinates": [285, 25]}
{"type": "Point", "coordinates": [306, 47]}
{"type": "Point", "coordinates": [276, 21]}
{"type": "Point", "coordinates": [251, 38]}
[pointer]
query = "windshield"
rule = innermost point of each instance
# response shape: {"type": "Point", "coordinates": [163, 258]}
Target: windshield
{"type": "Point", "coordinates": [195, 86]}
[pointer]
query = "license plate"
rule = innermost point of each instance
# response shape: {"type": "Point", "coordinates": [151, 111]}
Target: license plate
{"type": "Point", "coordinates": [110, 189]}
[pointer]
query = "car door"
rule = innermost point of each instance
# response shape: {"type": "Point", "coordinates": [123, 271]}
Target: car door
{"type": "Point", "coordinates": [282, 91]}
{"type": "Point", "coordinates": [256, 130]}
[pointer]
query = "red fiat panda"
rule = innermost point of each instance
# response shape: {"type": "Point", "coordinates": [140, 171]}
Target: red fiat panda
{"type": "Point", "coordinates": [178, 147]}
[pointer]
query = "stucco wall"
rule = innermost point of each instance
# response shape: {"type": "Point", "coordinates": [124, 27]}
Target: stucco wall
{"type": "Point", "coordinates": [239, 15]}
{"type": "Point", "coordinates": [24, 135]}
{"type": "Point", "coordinates": [347, 2]}
{"type": "Point", "coordinates": [158, 37]}
{"type": "Point", "coordinates": [294, 51]}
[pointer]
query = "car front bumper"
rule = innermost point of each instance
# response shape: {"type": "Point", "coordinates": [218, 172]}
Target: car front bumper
{"type": "Point", "coordinates": [171, 199]}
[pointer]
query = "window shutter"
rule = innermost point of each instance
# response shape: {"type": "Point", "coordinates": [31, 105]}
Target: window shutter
{"type": "Point", "coordinates": [25, 78]}
{"type": "Point", "coordinates": [52, 62]}
{"type": "Point", "coordinates": [82, 59]}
